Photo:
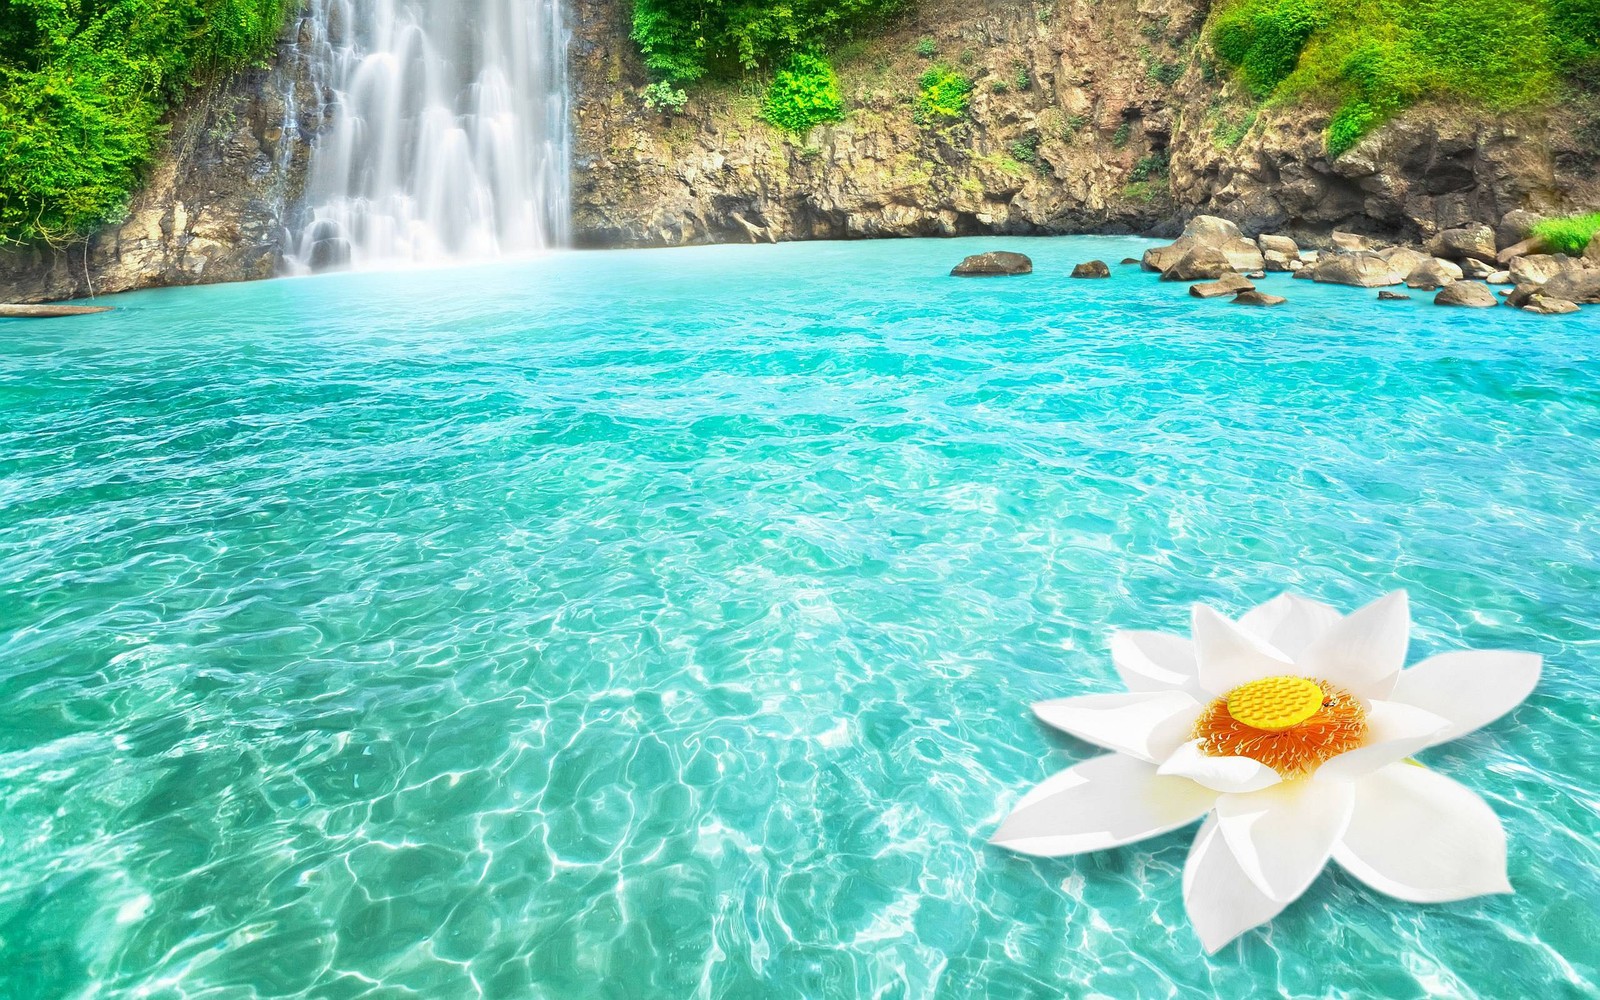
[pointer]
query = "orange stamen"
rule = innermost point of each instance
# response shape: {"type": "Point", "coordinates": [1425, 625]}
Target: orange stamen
{"type": "Point", "coordinates": [1338, 726]}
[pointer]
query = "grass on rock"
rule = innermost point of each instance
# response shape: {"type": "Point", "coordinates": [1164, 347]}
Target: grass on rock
{"type": "Point", "coordinates": [1570, 234]}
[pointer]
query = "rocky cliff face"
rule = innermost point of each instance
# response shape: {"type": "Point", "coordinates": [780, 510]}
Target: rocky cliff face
{"type": "Point", "coordinates": [1103, 116]}
{"type": "Point", "coordinates": [213, 205]}
{"type": "Point", "coordinates": [1100, 116]}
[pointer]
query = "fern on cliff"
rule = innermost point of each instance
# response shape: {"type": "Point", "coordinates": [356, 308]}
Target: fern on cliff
{"type": "Point", "coordinates": [83, 87]}
{"type": "Point", "coordinates": [1370, 58]}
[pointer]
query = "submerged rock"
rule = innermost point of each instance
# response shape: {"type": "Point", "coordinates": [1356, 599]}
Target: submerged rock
{"type": "Point", "coordinates": [1252, 297]}
{"type": "Point", "coordinates": [995, 262]}
{"type": "Point", "coordinates": [1466, 293]}
{"type": "Point", "coordinates": [1388, 296]}
{"type": "Point", "coordinates": [1228, 284]}
{"type": "Point", "coordinates": [1130, 260]}
{"type": "Point", "coordinates": [47, 312]}
{"type": "Point", "coordinates": [1365, 270]}
{"type": "Point", "coordinates": [1092, 269]}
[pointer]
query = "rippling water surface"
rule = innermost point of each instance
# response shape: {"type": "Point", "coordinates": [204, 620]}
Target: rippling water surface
{"type": "Point", "coordinates": [663, 624]}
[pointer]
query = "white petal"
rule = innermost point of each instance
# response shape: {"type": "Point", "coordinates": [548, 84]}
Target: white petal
{"type": "Point", "coordinates": [1222, 903]}
{"type": "Point", "coordinates": [1289, 622]}
{"type": "Point", "coordinates": [1229, 656]}
{"type": "Point", "coordinates": [1283, 836]}
{"type": "Point", "coordinates": [1154, 661]}
{"type": "Point", "coordinates": [1103, 802]}
{"type": "Point", "coordinates": [1420, 836]}
{"type": "Point", "coordinates": [1470, 689]}
{"type": "Point", "coordinates": [1394, 732]}
{"type": "Point", "coordinates": [1225, 774]}
{"type": "Point", "coordinates": [1365, 650]}
{"type": "Point", "coordinates": [1149, 725]}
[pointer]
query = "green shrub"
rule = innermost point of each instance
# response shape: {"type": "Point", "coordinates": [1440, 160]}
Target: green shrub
{"type": "Point", "coordinates": [926, 48]}
{"type": "Point", "coordinates": [1570, 234]}
{"type": "Point", "coordinates": [1150, 167]}
{"type": "Point", "coordinates": [1120, 137]}
{"type": "Point", "coordinates": [942, 96]}
{"type": "Point", "coordinates": [1026, 149]}
{"type": "Point", "coordinates": [804, 93]}
{"type": "Point", "coordinates": [661, 96]}
{"type": "Point", "coordinates": [685, 40]}
{"type": "Point", "coordinates": [83, 88]}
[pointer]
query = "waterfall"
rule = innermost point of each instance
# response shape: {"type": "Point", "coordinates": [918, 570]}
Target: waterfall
{"type": "Point", "coordinates": [447, 134]}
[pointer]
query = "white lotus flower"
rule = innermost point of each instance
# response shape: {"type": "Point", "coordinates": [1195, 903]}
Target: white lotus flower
{"type": "Point", "coordinates": [1289, 731]}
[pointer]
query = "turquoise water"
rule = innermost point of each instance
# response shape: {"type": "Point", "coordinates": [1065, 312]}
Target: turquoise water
{"type": "Point", "coordinates": [663, 624]}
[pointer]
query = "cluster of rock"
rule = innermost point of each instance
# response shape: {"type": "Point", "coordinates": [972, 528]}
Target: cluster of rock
{"type": "Point", "coordinates": [1458, 265]}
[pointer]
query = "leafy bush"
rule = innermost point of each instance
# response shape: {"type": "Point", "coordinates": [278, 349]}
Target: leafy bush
{"type": "Point", "coordinates": [686, 40]}
{"type": "Point", "coordinates": [1120, 137]}
{"type": "Point", "coordinates": [83, 87]}
{"type": "Point", "coordinates": [942, 96]}
{"type": "Point", "coordinates": [661, 96]}
{"type": "Point", "coordinates": [926, 48]}
{"type": "Point", "coordinates": [804, 93]}
{"type": "Point", "coordinates": [1150, 167]}
{"type": "Point", "coordinates": [1026, 149]}
{"type": "Point", "coordinates": [1570, 234]}
{"type": "Point", "coordinates": [1370, 58]}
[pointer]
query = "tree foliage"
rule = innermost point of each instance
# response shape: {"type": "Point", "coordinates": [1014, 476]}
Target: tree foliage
{"type": "Point", "coordinates": [83, 87]}
{"type": "Point", "coordinates": [685, 40]}
{"type": "Point", "coordinates": [804, 93]}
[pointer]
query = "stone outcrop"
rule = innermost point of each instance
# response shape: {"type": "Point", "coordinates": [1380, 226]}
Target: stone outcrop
{"type": "Point", "coordinates": [1434, 273]}
{"type": "Point", "coordinates": [1475, 242]}
{"type": "Point", "coordinates": [1575, 284]}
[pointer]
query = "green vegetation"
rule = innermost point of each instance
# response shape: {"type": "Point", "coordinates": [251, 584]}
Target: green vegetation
{"type": "Point", "coordinates": [804, 93]}
{"type": "Point", "coordinates": [1370, 58]}
{"type": "Point", "coordinates": [1570, 234]}
{"type": "Point", "coordinates": [661, 96]}
{"type": "Point", "coordinates": [83, 87]}
{"type": "Point", "coordinates": [687, 40]}
{"type": "Point", "coordinates": [1120, 137]}
{"type": "Point", "coordinates": [1150, 167]}
{"type": "Point", "coordinates": [1026, 149]}
{"type": "Point", "coordinates": [926, 48]}
{"type": "Point", "coordinates": [942, 96]}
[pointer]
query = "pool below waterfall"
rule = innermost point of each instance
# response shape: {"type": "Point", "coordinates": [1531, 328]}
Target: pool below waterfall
{"type": "Point", "coordinates": [664, 623]}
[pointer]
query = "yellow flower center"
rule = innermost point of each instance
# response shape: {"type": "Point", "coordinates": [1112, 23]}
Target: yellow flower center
{"type": "Point", "coordinates": [1290, 724]}
{"type": "Point", "coordinates": [1275, 703]}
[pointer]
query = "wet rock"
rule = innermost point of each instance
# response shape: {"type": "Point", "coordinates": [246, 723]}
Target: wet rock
{"type": "Point", "coordinates": [1243, 255]}
{"type": "Point", "coordinates": [1197, 264]}
{"type": "Point", "coordinates": [1228, 284]}
{"type": "Point", "coordinates": [1544, 305]}
{"type": "Point", "coordinates": [1297, 265]}
{"type": "Point", "coordinates": [1575, 284]}
{"type": "Point", "coordinates": [1258, 298]}
{"type": "Point", "coordinates": [1499, 278]}
{"type": "Point", "coordinates": [47, 312]}
{"type": "Point", "coordinates": [1161, 258]}
{"type": "Point", "coordinates": [1352, 242]}
{"type": "Point", "coordinates": [1522, 295]}
{"type": "Point", "coordinates": [1464, 243]}
{"type": "Point", "coordinates": [995, 262]}
{"type": "Point", "coordinates": [1092, 269]}
{"type": "Point", "coordinates": [1359, 268]}
{"type": "Point", "coordinates": [1277, 260]}
{"type": "Point", "coordinates": [1466, 293]}
{"type": "Point", "coordinates": [1475, 269]}
{"type": "Point", "coordinates": [1388, 296]}
{"type": "Point", "coordinates": [1434, 274]}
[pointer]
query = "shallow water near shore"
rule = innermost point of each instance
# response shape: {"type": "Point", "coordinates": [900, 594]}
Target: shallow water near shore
{"type": "Point", "coordinates": [664, 623]}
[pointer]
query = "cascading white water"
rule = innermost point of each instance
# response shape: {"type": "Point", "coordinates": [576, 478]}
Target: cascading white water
{"type": "Point", "coordinates": [447, 135]}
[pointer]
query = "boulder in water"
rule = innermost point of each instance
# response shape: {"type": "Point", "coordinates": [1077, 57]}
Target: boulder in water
{"type": "Point", "coordinates": [1228, 284]}
{"type": "Point", "coordinates": [1388, 296]}
{"type": "Point", "coordinates": [1358, 267]}
{"type": "Point", "coordinates": [1544, 305]}
{"type": "Point", "coordinates": [1464, 243]}
{"type": "Point", "coordinates": [1198, 263]}
{"type": "Point", "coordinates": [1092, 269]}
{"type": "Point", "coordinates": [995, 262]}
{"type": "Point", "coordinates": [1466, 293]}
{"type": "Point", "coordinates": [1575, 284]}
{"type": "Point", "coordinates": [1253, 297]}
{"type": "Point", "coordinates": [1434, 274]}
